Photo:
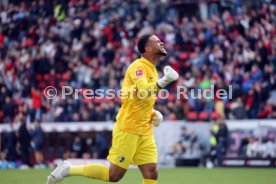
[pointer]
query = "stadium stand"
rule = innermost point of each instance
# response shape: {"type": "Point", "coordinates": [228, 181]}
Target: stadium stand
{"type": "Point", "coordinates": [90, 44]}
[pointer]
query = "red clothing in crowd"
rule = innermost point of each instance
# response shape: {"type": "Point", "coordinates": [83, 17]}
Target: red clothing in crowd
{"type": "Point", "coordinates": [37, 100]}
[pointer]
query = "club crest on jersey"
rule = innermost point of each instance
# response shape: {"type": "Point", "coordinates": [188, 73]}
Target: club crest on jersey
{"type": "Point", "coordinates": [139, 73]}
{"type": "Point", "coordinates": [121, 159]}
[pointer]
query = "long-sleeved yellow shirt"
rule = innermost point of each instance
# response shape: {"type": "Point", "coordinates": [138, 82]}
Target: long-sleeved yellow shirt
{"type": "Point", "coordinates": [135, 113]}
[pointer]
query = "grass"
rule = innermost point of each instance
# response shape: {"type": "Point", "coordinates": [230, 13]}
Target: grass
{"type": "Point", "coordinates": [166, 176]}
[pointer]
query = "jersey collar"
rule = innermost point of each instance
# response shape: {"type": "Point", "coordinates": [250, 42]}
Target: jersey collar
{"type": "Point", "coordinates": [147, 62]}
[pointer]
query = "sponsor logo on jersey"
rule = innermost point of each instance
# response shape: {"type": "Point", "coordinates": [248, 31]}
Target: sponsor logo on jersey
{"type": "Point", "coordinates": [139, 73]}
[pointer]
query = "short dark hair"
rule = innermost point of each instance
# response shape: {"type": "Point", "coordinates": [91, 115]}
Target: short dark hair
{"type": "Point", "coordinates": [142, 42]}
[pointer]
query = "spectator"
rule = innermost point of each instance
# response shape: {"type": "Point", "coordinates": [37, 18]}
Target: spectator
{"type": "Point", "coordinates": [252, 148]}
{"type": "Point", "coordinates": [37, 141]}
{"type": "Point", "coordinates": [101, 146]}
{"type": "Point", "coordinates": [10, 142]}
{"type": "Point", "coordinates": [222, 137]}
{"type": "Point", "coordinates": [218, 142]}
{"type": "Point", "coordinates": [76, 148]}
{"type": "Point", "coordinates": [181, 146]}
{"type": "Point", "coordinates": [37, 103]}
{"type": "Point", "coordinates": [8, 110]}
{"type": "Point", "coordinates": [24, 144]}
{"type": "Point", "coordinates": [187, 145]}
{"type": "Point", "coordinates": [237, 110]}
{"type": "Point", "coordinates": [211, 158]}
{"type": "Point", "coordinates": [3, 162]}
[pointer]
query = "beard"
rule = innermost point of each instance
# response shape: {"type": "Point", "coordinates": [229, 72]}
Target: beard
{"type": "Point", "coordinates": [162, 53]}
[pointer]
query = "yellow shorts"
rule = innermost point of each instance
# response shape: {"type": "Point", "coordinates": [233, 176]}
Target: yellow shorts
{"type": "Point", "coordinates": [133, 149]}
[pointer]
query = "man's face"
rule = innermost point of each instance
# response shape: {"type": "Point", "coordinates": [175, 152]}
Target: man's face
{"type": "Point", "coordinates": [156, 47]}
{"type": "Point", "coordinates": [183, 130]}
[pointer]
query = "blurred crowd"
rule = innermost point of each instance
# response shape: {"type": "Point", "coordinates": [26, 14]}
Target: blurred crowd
{"type": "Point", "coordinates": [261, 148]}
{"type": "Point", "coordinates": [29, 145]}
{"type": "Point", "coordinates": [89, 45]}
{"type": "Point", "coordinates": [20, 145]}
{"type": "Point", "coordinates": [256, 146]}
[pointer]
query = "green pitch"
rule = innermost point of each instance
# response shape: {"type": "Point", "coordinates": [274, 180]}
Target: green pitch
{"type": "Point", "coordinates": [166, 176]}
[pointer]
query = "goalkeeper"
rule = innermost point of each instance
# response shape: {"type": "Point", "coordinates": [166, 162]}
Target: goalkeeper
{"type": "Point", "coordinates": [132, 138]}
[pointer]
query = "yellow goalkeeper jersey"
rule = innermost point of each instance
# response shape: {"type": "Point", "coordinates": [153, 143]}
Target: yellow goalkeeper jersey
{"type": "Point", "coordinates": [134, 115]}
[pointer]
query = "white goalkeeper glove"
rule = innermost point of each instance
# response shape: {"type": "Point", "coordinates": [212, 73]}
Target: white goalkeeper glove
{"type": "Point", "coordinates": [170, 75]}
{"type": "Point", "coordinates": [156, 118]}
